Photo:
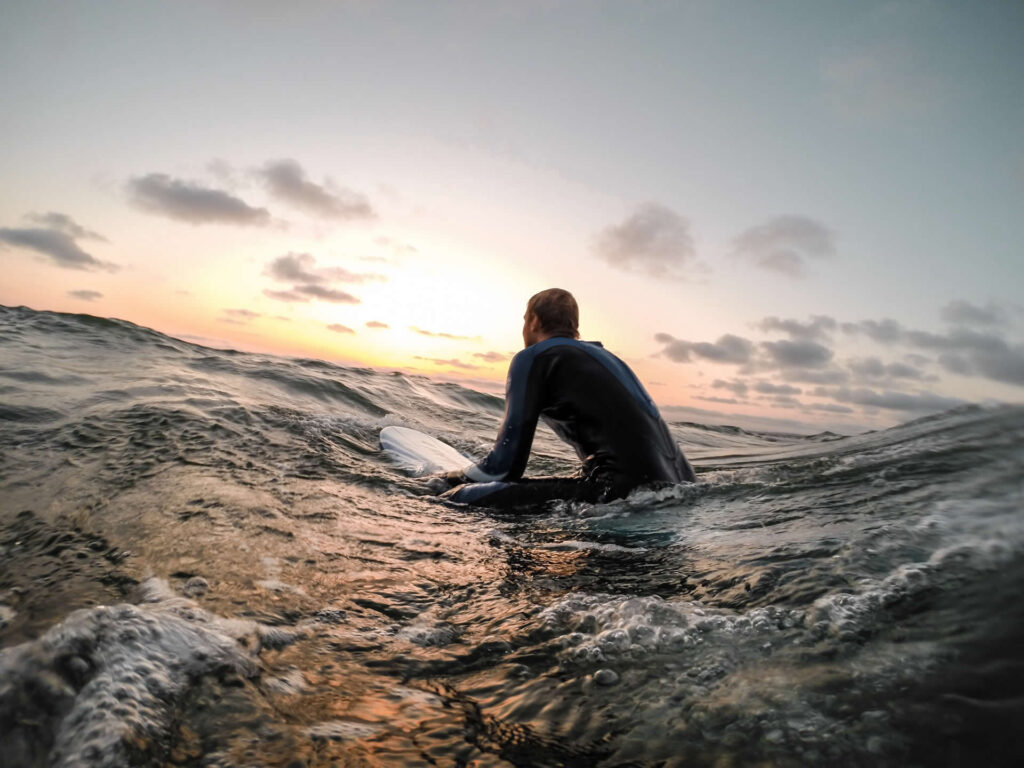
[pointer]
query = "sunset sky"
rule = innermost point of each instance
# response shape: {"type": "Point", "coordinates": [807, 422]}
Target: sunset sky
{"type": "Point", "coordinates": [803, 215]}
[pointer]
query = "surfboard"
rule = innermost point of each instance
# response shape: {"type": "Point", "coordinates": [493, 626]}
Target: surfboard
{"type": "Point", "coordinates": [420, 453]}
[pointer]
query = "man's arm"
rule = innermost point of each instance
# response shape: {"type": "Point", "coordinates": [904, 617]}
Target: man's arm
{"type": "Point", "coordinates": [507, 460]}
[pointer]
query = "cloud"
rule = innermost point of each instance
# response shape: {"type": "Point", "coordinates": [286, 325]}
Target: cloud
{"type": "Point", "coordinates": [85, 294]}
{"type": "Point", "coordinates": [299, 268]}
{"type": "Point", "coordinates": [736, 386]}
{"type": "Point", "coordinates": [962, 351]}
{"type": "Point", "coordinates": [829, 408]}
{"type": "Point", "coordinates": [965, 313]}
{"type": "Point", "coordinates": [873, 368]}
{"type": "Point", "coordinates": [452, 363]}
{"type": "Point", "coordinates": [997, 361]}
{"type": "Point", "coordinates": [895, 401]}
{"type": "Point", "coordinates": [440, 335]}
{"type": "Point", "coordinates": [285, 295]}
{"type": "Point", "coordinates": [821, 376]}
{"type": "Point", "coordinates": [58, 245]}
{"type": "Point", "coordinates": [377, 324]}
{"type": "Point", "coordinates": [286, 180]}
{"type": "Point", "coordinates": [886, 331]}
{"type": "Point", "coordinates": [767, 388]}
{"type": "Point", "coordinates": [728, 349]}
{"type": "Point", "coordinates": [339, 328]}
{"type": "Point", "coordinates": [64, 223]}
{"type": "Point", "coordinates": [398, 248]}
{"type": "Point", "coordinates": [326, 294]}
{"type": "Point", "coordinates": [490, 357]}
{"type": "Point", "coordinates": [655, 240]}
{"type": "Point", "coordinates": [784, 244]}
{"type": "Point", "coordinates": [797, 354]}
{"type": "Point", "coordinates": [816, 329]}
{"type": "Point", "coordinates": [312, 282]}
{"type": "Point", "coordinates": [726, 400]}
{"type": "Point", "coordinates": [242, 314]}
{"type": "Point", "coordinates": [192, 203]}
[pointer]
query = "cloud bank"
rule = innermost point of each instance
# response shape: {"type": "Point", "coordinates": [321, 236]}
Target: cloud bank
{"type": "Point", "coordinates": [869, 382]}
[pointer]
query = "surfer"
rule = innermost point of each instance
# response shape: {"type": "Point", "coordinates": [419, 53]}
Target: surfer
{"type": "Point", "coordinates": [592, 401]}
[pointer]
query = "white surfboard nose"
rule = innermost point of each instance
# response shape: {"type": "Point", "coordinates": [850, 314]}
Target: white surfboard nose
{"type": "Point", "coordinates": [420, 453]}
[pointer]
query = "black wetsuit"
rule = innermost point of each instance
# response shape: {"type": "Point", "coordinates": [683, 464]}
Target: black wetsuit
{"type": "Point", "coordinates": [592, 401]}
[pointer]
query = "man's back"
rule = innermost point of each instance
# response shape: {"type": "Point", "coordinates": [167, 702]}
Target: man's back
{"type": "Point", "coordinates": [593, 401]}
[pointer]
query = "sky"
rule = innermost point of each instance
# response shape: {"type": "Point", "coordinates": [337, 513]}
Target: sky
{"type": "Point", "coordinates": [792, 215]}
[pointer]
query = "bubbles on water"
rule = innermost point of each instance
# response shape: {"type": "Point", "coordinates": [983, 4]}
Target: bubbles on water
{"type": "Point", "coordinates": [99, 686]}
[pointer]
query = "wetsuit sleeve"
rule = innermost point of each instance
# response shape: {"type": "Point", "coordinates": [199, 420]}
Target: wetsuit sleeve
{"type": "Point", "coordinates": [507, 460]}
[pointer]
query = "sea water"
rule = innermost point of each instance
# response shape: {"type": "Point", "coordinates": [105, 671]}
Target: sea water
{"type": "Point", "coordinates": [206, 561]}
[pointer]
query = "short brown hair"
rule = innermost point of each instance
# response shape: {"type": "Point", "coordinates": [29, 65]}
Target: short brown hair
{"type": "Point", "coordinates": [557, 311]}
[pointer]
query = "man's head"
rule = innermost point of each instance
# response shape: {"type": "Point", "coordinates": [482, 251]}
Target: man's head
{"type": "Point", "coordinates": [550, 313]}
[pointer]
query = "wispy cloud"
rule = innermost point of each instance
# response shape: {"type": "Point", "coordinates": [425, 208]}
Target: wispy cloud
{"type": "Point", "coordinates": [339, 328]}
{"type": "Point", "coordinates": [490, 357]}
{"type": "Point", "coordinates": [290, 296]}
{"type": "Point", "coordinates": [57, 241]}
{"type": "Point", "coordinates": [654, 240]}
{"type": "Point", "coordinates": [192, 202]}
{"type": "Point", "coordinates": [451, 363]}
{"type": "Point", "coordinates": [377, 324]}
{"type": "Point", "coordinates": [768, 388]}
{"type": "Point", "coordinates": [286, 180]}
{"type": "Point", "coordinates": [785, 244]}
{"type": "Point", "coordinates": [722, 400]}
{"type": "Point", "coordinates": [882, 81]}
{"type": "Point", "coordinates": [442, 335]}
{"type": "Point", "coordinates": [397, 247]}
{"type": "Point", "coordinates": [241, 315]}
{"type": "Point", "coordinates": [85, 294]}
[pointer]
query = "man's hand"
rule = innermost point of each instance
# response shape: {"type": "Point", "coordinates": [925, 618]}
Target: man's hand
{"type": "Point", "coordinates": [455, 478]}
{"type": "Point", "coordinates": [440, 483]}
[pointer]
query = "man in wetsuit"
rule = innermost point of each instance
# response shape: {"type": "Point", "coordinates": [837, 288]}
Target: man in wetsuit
{"type": "Point", "coordinates": [592, 401]}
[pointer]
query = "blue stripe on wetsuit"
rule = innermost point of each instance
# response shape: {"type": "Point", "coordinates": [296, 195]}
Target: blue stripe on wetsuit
{"type": "Point", "coordinates": [516, 434]}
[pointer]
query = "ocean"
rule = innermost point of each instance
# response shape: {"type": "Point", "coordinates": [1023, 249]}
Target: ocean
{"type": "Point", "coordinates": [206, 561]}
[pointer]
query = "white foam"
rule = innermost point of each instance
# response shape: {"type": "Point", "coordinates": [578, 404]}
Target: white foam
{"type": "Point", "coordinates": [115, 671]}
